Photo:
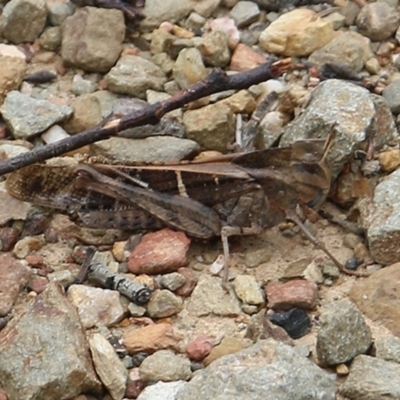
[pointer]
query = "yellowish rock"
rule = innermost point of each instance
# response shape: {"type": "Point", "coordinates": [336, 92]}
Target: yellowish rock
{"type": "Point", "coordinates": [342, 369]}
{"type": "Point", "coordinates": [13, 69]}
{"type": "Point", "coordinates": [241, 102]}
{"type": "Point", "coordinates": [297, 33]}
{"type": "Point", "coordinates": [389, 160]}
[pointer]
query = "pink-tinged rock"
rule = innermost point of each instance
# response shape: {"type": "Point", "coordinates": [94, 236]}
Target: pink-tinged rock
{"type": "Point", "coordinates": [8, 236]}
{"type": "Point", "coordinates": [228, 26]}
{"type": "Point", "coordinates": [159, 252]}
{"type": "Point", "coordinates": [13, 277]}
{"type": "Point", "coordinates": [200, 348]}
{"type": "Point", "coordinates": [245, 58]}
{"type": "Point", "coordinates": [3, 396]}
{"type": "Point", "coordinates": [38, 283]}
{"type": "Point", "coordinates": [191, 282]}
{"type": "Point", "coordinates": [134, 385]}
{"type": "Point", "coordinates": [296, 293]}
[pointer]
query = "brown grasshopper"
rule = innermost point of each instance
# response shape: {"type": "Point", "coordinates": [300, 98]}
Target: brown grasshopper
{"type": "Point", "coordinates": [237, 194]}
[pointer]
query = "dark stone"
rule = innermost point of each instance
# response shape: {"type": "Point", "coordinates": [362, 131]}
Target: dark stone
{"type": "Point", "coordinates": [352, 263]}
{"type": "Point", "coordinates": [295, 322]}
{"type": "Point", "coordinates": [138, 358]}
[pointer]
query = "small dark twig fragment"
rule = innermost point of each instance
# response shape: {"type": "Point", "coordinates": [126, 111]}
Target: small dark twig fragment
{"type": "Point", "coordinates": [136, 292]}
{"type": "Point", "coordinates": [98, 273]}
{"type": "Point", "coordinates": [344, 224]}
{"type": "Point", "coordinates": [217, 81]}
{"type": "Point", "coordinates": [90, 252]}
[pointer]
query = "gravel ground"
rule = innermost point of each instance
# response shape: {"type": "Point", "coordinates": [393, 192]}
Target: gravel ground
{"type": "Point", "coordinates": [292, 325]}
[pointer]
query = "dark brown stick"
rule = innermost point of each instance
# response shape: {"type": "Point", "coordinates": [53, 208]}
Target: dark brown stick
{"type": "Point", "coordinates": [217, 81]}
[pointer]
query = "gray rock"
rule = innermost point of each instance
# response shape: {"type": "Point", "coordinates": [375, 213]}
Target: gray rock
{"type": "Point", "coordinates": [392, 95]}
{"type": "Point", "coordinates": [388, 349]}
{"type": "Point", "coordinates": [63, 277]}
{"type": "Point", "coordinates": [49, 326]}
{"type": "Point", "coordinates": [157, 11]}
{"type": "Point", "coordinates": [108, 366]}
{"type": "Point", "coordinates": [244, 13]}
{"type": "Point", "coordinates": [96, 306]}
{"type": "Point", "coordinates": [164, 304]}
{"type": "Point", "coordinates": [350, 12]}
{"type": "Point", "coordinates": [152, 149]}
{"type": "Point", "coordinates": [189, 68]}
{"type": "Point", "coordinates": [87, 44]}
{"type": "Point", "coordinates": [349, 48]}
{"type": "Point", "coordinates": [268, 370]}
{"type": "Point", "coordinates": [50, 39]}
{"type": "Point", "coordinates": [23, 20]}
{"type": "Point", "coordinates": [82, 86]}
{"type": "Point", "coordinates": [134, 75]}
{"type": "Point", "coordinates": [172, 281]}
{"type": "Point", "coordinates": [27, 116]}
{"type": "Point", "coordinates": [337, 102]}
{"type": "Point", "coordinates": [378, 21]}
{"type": "Point", "coordinates": [206, 7]}
{"type": "Point", "coordinates": [162, 390]}
{"type": "Point", "coordinates": [255, 257]}
{"type": "Point", "coordinates": [180, 44]}
{"type": "Point", "coordinates": [271, 127]}
{"type": "Point", "coordinates": [372, 379]}
{"type": "Point", "coordinates": [342, 334]}
{"type": "Point", "coordinates": [382, 219]}
{"type": "Point", "coordinates": [208, 297]}
{"type": "Point", "coordinates": [165, 365]}
{"type": "Point", "coordinates": [214, 49]}
{"type": "Point", "coordinates": [195, 21]}
{"type": "Point", "coordinates": [59, 11]}
{"type": "Point", "coordinates": [13, 277]}
{"type": "Point", "coordinates": [338, 20]}
{"type": "Point", "coordinates": [212, 126]}
{"type": "Point", "coordinates": [135, 310]}
{"type": "Point", "coordinates": [383, 129]}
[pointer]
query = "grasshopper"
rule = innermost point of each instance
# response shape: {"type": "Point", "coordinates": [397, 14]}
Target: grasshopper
{"type": "Point", "coordinates": [236, 194]}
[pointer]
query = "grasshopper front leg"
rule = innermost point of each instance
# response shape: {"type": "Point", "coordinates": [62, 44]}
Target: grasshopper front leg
{"type": "Point", "coordinates": [227, 231]}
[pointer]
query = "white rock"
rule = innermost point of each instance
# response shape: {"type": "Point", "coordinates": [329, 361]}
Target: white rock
{"type": "Point", "coordinates": [54, 134]}
{"type": "Point", "coordinates": [96, 306]}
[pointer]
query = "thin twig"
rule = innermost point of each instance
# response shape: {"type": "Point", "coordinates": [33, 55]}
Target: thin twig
{"type": "Point", "coordinates": [217, 81]}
